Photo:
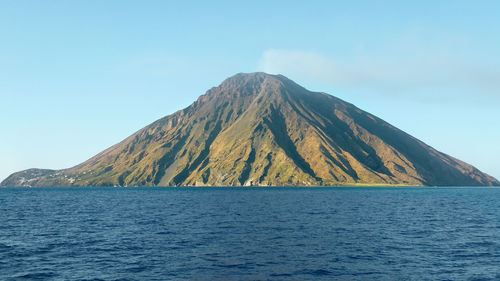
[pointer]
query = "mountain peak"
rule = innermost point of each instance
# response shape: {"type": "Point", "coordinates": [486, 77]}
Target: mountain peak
{"type": "Point", "coordinates": [252, 76]}
{"type": "Point", "coordinates": [254, 79]}
{"type": "Point", "coordinates": [256, 83]}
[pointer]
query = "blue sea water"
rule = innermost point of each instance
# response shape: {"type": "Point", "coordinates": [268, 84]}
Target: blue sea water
{"type": "Point", "coordinates": [250, 234]}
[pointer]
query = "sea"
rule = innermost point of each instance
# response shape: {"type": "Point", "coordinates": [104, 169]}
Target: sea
{"type": "Point", "coordinates": [365, 233]}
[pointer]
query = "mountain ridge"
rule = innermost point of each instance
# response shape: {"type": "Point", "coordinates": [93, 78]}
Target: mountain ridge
{"type": "Point", "coordinates": [259, 129]}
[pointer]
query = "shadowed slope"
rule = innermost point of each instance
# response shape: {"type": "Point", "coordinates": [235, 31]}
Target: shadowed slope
{"type": "Point", "coordinates": [260, 129]}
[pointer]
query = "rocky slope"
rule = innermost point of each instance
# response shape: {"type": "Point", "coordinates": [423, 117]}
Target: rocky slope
{"type": "Point", "coordinates": [261, 129]}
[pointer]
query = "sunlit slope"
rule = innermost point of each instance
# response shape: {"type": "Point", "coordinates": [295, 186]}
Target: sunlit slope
{"type": "Point", "coordinates": [261, 129]}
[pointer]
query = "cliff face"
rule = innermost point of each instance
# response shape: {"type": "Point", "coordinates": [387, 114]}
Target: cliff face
{"type": "Point", "coordinates": [261, 129]}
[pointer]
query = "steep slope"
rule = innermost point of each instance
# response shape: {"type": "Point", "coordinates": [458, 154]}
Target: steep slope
{"type": "Point", "coordinates": [261, 129]}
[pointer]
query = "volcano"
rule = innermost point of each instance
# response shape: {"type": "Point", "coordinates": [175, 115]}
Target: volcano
{"type": "Point", "coordinates": [259, 129]}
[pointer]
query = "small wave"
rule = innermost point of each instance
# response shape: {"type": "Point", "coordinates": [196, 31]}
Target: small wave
{"type": "Point", "coordinates": [36, 276]}
{"type": "Point", "coordinates": [136, 269]}
{"type": "Point", "coordinates": [480, 244]}
{"type": "Point", "coordinates": [4, 246]}
{"type": "Point", "coordinates": [234, 265]}
{"type": "Point", "coordinates": [281, 274]}
{"type": "Point", "coordinates": [317, 272]}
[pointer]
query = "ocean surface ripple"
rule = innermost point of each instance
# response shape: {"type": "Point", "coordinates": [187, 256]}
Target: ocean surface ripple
{"type": "Point", "coordinates": [250, 234]}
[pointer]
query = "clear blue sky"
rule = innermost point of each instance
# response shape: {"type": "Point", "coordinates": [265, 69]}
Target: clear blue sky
{"type": "Point", "coordinates": [78, 76]}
